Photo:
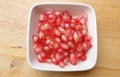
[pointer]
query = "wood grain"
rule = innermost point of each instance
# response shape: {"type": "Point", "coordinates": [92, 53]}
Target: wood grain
{"type": "Point", "coordinates": [13, 28]}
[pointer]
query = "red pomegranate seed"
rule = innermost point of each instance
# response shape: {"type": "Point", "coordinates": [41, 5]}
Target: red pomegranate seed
{"type": "Point", "coordinates": [38, 48]}
{"type": "Point", "coordinates": [70, 43]}
{"type": "Point", "coordinates": [35, 45]}
{"type": "Point", "coordinates": [65, 46]}
{"type": "Point", "coordinates": [61, 29]}
{"type": "Point", "coordinates": [63, 37]}
{"type": "Point", "coordinates": [57, 32]}
{"type": "Point", "coordinates": [44, 26]}
{"type": "Point", "coordinates": [84, 45]}
{"type": "Point", "coordinates": [61, 64]}
{"type": "Point", "coordinates": [48, 61]}
{"type": "Point", "coordinates": [54, 61]}
{"type": "Point", "coordinates": [41, 18]}
{"type": "Point", "coordinates": [55, 45]}
{"type": "Point", "coordinates": [35, 38]}
{"type": "Point", "coordinates": [67, 25]}
{"type": "Point", "coordinates": [39, 57]}
{"type": "Point", "coordinates": [83, 19]}
{"type": "Point", "coordinates": [47, 41]}
{"type": "Point", "coordinates": [68, 32]}
{"type": "Point", "coordinates": [70, 38]}
{"type": "Point", "coordinates": [60, 50]}
{"type": "Point", "coordinates": [57, 13]}
{"type": "Point", "coordinates": [58, 20]}
{"type": "Point", "coordinates": [57, 56]}
{"type": "Point", "coordinates": [75, 36]}
{"type": "Point", "coordinates": [65, 61]}
{"type": "Point", "coordinates": [79, 48]}
{"type": "Point", "coordinates": [87, 39]}
{"type": "Point", "coordinates": [74, 59]}
{"type": "Point", "coordinates": [78, 27]}
{"type": "Point", "coordinates": [62, 24]}
{"type": "Point", "coordinates": [83, 58]}
{"type": "Point", "coordinates": [66, 17]}
{"type": "Point", "coordinates": [41, 35]}
{"type": "Point", "coordinates": [46, 48]}
{"type": "Point", "coordinates": [58, 40]}
{"type": "Point", "coordinates": [48, 12]}
{"type": "Point", "coordinates": [84, 32]}
{"type": "Point", "coordinates": [51, 18]}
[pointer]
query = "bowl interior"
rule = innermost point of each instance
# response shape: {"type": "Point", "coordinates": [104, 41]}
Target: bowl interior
{"type": "Point", "coordinates": [74, 10]}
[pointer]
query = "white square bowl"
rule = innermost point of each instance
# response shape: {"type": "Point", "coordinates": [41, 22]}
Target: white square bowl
{"type": "Point", "coordinates": [75, 9]}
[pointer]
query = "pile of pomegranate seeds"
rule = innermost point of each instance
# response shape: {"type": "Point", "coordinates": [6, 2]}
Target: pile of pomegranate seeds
{"type": "Point", "coordinates": [61, 38]}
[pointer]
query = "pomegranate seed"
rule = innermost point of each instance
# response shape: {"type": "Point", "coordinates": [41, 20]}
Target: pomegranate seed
{"type": "Point", "coordinates": [55, 61]}
{"type": "Point", "coordinates": [58, 40]}
{"type": "Point", "coordinates": [42, 54]}
{"type": "Point", "coordinates": [46, 48]}
{"type": "Point", "coordinates": [57, 32]}
{"type": "Point", "coordinates": [67, 25]}
{"type": "Point", "coordinates": [65, 46]}
{"type": "Point", "coordinates": [73, 21]}
{"type": "Point", "coordinates": [58, 20]}
{"type": "Point", "coordinates": [75, 36]}
{"type": "Point", "coordinates": [84, 32]}
{"type": "Point", "coordinates": [70, 44]}
{"type": "Point", "coordinates": [51, 18]}
{"type": "Point", "coordinates": [65, 61]}
{"type": "Point", "coordinates": [80, 54]}
{"type": "Point", "coordinates": [45, 26]}
{"type": "Point", "coordinates": [61, 64]}
{"type": "Point", "coordinates": [48, 12]}
{"type": "Point", "coordinates": [48, 61]}
{"type": "Point", "coordinates": [61, 29]}
{"type": "Point", "coordinates": [41, 18]}
{"type": "Point", "coordinates": [83, 19]}
{"type": "Point", "coordinates": [62, 24]}
{"type": "Point", "coordinates": [87, 38]}
{"type": "Point", "coordinates": [47, 41]}
{"type": "Point", "coordinates": [35, 38]}
{"type": "Point", "coordinates": [57, 13]}
{"type": "Point", "coordinates": [79, 47]}
{"type": "Point", "coordinates": [35, 45]}
{"type": "Point", "coordinates": [66, 17]}
{"type": "Point", "coordinates": [39, 57]}
{"type": "Point", "coordinates": [38, 48]}
{"type": "Point", "coordinates": [74, 59]}
{"type": "Point", "coordinates": [55, 45]}
{"type": "Point", "coordinates": [70, 38]}
{"type": "Point", "coordinates": [68, 32]}
{"type": "Point", "coordinates": [51, 42]}
{"type": "Point", "coordinates": [66, 54]}
{"type": "Point", "coordinates": [57, 56]}
{"type": "Point", "coordinates": [72, 25]}
{"type": "Point", "coordinates": [78, 27]}
{"type": "Point", "coordinates": [83, 57]}
{"type": "Point", "coordinates": [41, 35]}
{"type": "Point", "coordinates": [84, 46]}
{"type": "Point", "coordinates": [63, 37]}
{"type": "Point", "coordinates": [60, 50]}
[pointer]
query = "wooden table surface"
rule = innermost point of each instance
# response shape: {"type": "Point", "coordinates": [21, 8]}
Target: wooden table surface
{"type": "Point", "coordinates": [13, 28]}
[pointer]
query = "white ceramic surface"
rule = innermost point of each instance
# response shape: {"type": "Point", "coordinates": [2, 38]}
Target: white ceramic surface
{"type": "Point", "coordinates": [75, 9]}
